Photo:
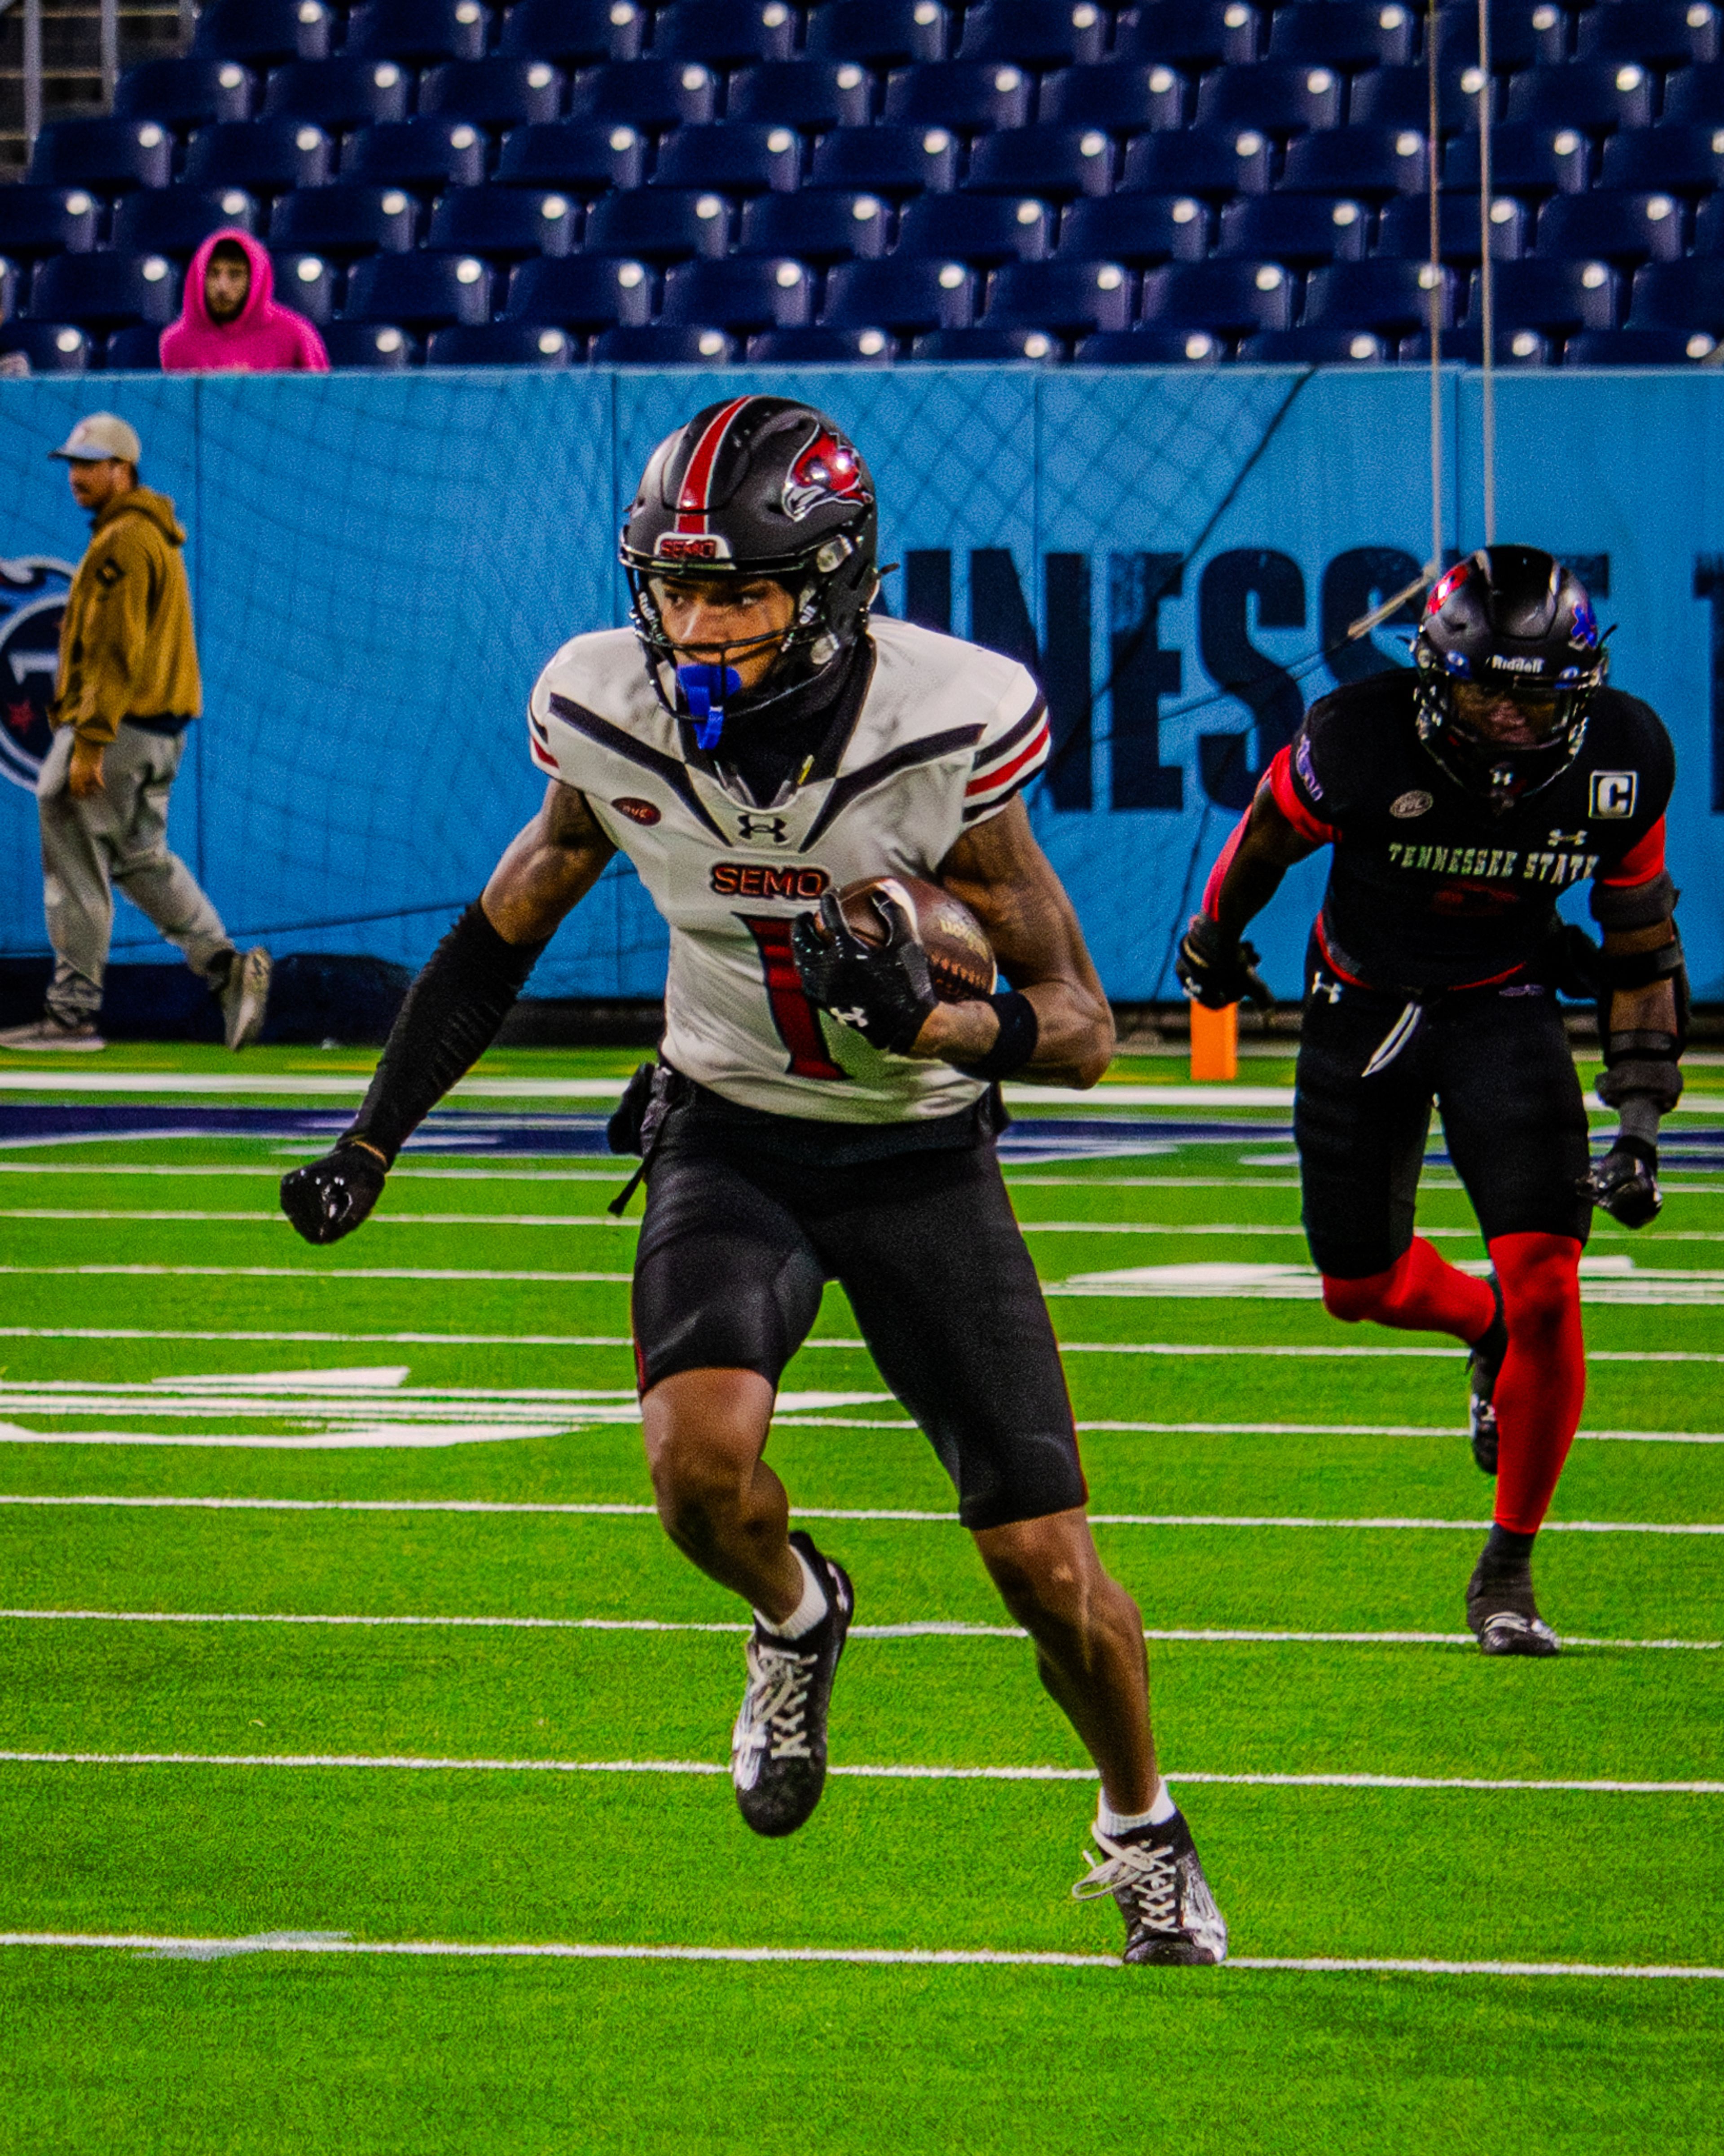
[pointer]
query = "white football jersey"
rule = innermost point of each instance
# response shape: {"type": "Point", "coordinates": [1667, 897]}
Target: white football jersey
{"type": "Point", "coordinates": [947, 733]}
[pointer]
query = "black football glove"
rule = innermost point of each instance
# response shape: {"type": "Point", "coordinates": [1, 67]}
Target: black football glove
{"type": "Point", "coordinates": [881, 989]}
{"type": "Point", "coordinates": [328, 1198]}
{"type": "Point", "coordinates": [1625, 1183]}
{"type": "Point", "coordinates": [1215, 972]}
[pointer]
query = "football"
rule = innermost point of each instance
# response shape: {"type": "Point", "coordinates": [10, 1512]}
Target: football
{"type": "Point", "coordinates": [960, 956]}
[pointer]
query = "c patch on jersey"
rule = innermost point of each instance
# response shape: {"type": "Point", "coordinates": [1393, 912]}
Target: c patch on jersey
{"type": "Point", "coordinates": [1614, 793]}
{"type": "Point", "coordinates": [637, 810]}
{"type": "Point", "coordinates": [1417, 802]}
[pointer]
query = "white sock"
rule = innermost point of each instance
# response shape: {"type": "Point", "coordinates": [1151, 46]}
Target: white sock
{"type": "Point", "coordinates": [807, 1614]}
{"type": "Point", "coordinates": [1114, 1823]}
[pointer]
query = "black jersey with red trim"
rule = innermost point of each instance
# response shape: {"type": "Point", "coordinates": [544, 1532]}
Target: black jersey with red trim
{"type": "Point", "coordinates": [1427, 888]}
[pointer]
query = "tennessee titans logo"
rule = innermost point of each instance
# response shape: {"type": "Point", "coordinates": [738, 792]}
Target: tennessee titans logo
{"type": "Point", "coordinates": [1585, 630]}
{"type": "Point", "coordinates": [827, 470]}
{"type": "Point", "coordinates": [33, 599]}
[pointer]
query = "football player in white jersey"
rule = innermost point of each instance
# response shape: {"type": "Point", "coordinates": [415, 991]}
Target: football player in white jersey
{"type": "Point", "coordinates": [754, 741]}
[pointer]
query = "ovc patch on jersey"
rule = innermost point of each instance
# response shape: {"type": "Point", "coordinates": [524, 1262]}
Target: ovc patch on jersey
{"type": "Point", "coordinates": [637, 810]}
{"type": "Point", "coordinates": [1417, 802]}
{"type": "Point", "coordinates": [1614, 793]}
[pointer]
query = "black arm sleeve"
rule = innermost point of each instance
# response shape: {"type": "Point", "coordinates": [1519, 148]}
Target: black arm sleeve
{"type": "Point", "coordinates": [451, 1016]}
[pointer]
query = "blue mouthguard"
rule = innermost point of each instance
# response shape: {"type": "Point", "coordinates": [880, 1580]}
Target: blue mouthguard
{"type": "Point", "coordinates": [707, 688]}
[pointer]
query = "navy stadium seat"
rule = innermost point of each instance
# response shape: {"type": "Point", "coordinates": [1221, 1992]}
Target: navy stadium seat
{"type": "Point", "coordinates": [1038, 33]}
{"type": "Point", "coordinates": [50, 347]}
{"type": "Point", "coordinates": [823, 347]}
{"type": "Point", "coordinates": [1142, 230]}
{"type": "Point", "coordinates": [179, 220]}
{"type": "Point", "coordinates": [422, 31]}
{"type": "Point", "coordinates": [1520, 34]}
{"type": "Point", "coordinates": [1696, 94]}
{"type": "Point", "coordinates": [1301, 230]}
{"type": "Point", "coordinates": [664, 344]}
{"type": "Point", "coordinates": [1371, 163]}
{"type": "Point", "coordinates": [970, 95]}
{"type": "Point", "coordinates": [1680, 157]}
{"type": "Point", "coordinates": [1345, 34]}
{"type": "Point", "coordinates": [726, 32]}
{"type": "Point", "coordinates": [385, 347]}
{"type": "Point", "coordinates": [879, 34]}
{"type": "Point", "coordinates": [1215, 164]}
{"type": "Point", "coordinates": [264, 157]}
{"type": "Point", "coordinates": [35, 221]}
{"type": "Point", "coordinates": [1226, 298]}
{"type": "Point", "coordinates": [426, 154]}
{"type": "Point", "coordinates": [572, 33]}
{"type": "Point", "coordinates": [1552, 297]}
{"type": "Point", "coordinates": [1638, 347]}
{"type": "Point", "coordinates": [9, 289]}
{"type": "Point", "coordinates": [737, 157]}
{"type": "Point", "coordinates": [105, 290]}
{"type": "Point", "coordinates": [1074, 297]}
{"type": "Point", "coordinates": [1279, 97]}
{"type": "Point", "coordinates": [1404, 229]}
{"type": "Point", "coordinates": [1597, 96]}
{"type": "Point", "coordinates": [1708, 228]}
{"type": "Point", "coordinates": [1400, 97]}
{"type": "Point", "coordinates": [1151, 344]}
{"type": "Point", "coordinates": [742, 293]}
{"type": "Point", "coordinates": [1525, 160]}
{"type": "Point", "coordinates": [1188, 33]}
{"type": "Point", "coordinates": [134, 350]}
{"type": "Point", "coordinates": [1667, 295]}
{"type": "Point", "coordinates": [1659, 33]}
{"type": "Point", "coordinates": [502, 344]}
{"type": "Point", "coordinates": [344, 223]}
{"type": "Point", "coordinates": [503, 224]}
{"type": "Point", "coordinates": [1392, 298]}
{"type": "Point", "coordinates": [587, 157]}
{"type": "Point", "coordinates": [1054, 162]}
{"type": "Point", "coordinates": [338, 93]}
{"type": "Point", "coordinates": [263, 31]}
{"type": "Point", "coordinates": [809, 94]}
{"type": "Point", "coordinates": [1317, 348]}
{"type": "Point", "coordinates": [654, 95]}
{"type": "Point", "coordinates": [420, 290]}
{"type": "Point", "coordinates": [816, 228]}
{"type": "Point", "coordinates": [105, 155]}
{"type": "Point", "coordinates": [305, 282]}
{"type": "Point", "coordinates": [980, 230]}
{"type": "Point", "coordinates": [887, 161]}
{"type": "Point", "coordinates": [184, 93]}
{"type": "Point", "coordinates": [493, 93]}
{"type": "Point", "coordinates": [904, 296]}
{"type": "Point", "coordinates": [1509, 347]}
{"type": "Point", "coordinates": [1625, 229]}
{"type": "Point", "coordinates": [987, 344]}
{"type": "Point", "coordinates": [657, 227]}
{"type": "Point", "coordinates": [1125, 99]}
{"type": "Point", "coordinates": [583, 292]}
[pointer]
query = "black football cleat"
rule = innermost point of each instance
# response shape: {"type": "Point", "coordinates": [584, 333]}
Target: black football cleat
{"type": "Point", "coordinates": [1484, 1367]}
{"type": "Point", "coordinates": [778, 1746]}
{"type": "Point", "coordinates": [1154, 1875]}
{"type": "Point", "coordinates": [1503, 1616]}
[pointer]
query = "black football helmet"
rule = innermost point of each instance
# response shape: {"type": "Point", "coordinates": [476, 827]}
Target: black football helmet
{"type": "Point", "coordinates": [757, 486]}
{"type": "Point", "coordinates": [1507, 618]}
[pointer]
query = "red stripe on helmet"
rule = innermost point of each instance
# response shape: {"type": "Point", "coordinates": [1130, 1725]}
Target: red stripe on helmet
{"type": "Point", "coordinates": [691, 497]}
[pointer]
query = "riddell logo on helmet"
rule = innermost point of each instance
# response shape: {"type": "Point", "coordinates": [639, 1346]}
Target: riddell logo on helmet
{"type": "Point", "coordinates": [1515, 665]}
{"type": "Point", "coordinates": [671, 547]}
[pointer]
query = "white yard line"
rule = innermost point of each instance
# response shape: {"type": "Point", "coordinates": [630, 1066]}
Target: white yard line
{"type": "Point", "coordinates": [307, 1272]}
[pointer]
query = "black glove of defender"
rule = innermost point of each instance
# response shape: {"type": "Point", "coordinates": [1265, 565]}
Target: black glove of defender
{"type": "Point", "coordinates": [328, 1198]}
{"type": "Point", "coordinates": [1625, 1183]}
{"type": "Point", "coordinates": [881, 989]}
{"type": "Point", "coordinates": [1215, 972]}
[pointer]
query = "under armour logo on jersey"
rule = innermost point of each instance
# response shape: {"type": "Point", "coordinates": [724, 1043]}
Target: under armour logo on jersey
{"type": "Point", "coordinates": [773, 827]}
{"type": "Point", "coordinates": [1320, 987]}
{"type": "Point", "coordinates": [1567, 838]}
{"type": "Point", "coordinates": [1614, 793]}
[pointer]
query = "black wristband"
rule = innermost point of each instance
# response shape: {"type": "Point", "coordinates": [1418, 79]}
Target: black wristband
{"type": "Point", "coordinates": [1020, 1030]}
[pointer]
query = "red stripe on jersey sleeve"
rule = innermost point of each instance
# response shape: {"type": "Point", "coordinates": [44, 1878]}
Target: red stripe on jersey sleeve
{"type": "Point", "coordinates": [1223, 862]}
{"type": "Point", "coordinates": [1643, 860]}
{"type": "Point", "coordinates": [1036, 746]}
{"type": "Point", "coordinates": [542, 757]}
{"type": "Point", "coordinates": [1288, 799]}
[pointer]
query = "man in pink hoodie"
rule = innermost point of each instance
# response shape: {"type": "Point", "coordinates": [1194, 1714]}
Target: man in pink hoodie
{"type": "Point", "coordinates": [231, 322]}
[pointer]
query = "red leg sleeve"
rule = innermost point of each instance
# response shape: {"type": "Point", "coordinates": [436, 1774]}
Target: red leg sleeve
{"type": "Point", "coordinates": [1543, 1387]}
{"type": "Point", "coordinates": [1421, 1292]}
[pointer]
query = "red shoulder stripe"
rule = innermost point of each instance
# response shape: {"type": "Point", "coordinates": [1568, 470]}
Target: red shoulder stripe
{"type": "Point", "coordinates": [1643, 860]}
{"type": "Point", "coordinates": [1288, 800]}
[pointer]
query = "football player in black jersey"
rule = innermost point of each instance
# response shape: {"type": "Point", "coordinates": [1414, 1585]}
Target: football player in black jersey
{"type": "Point", "coordinates": [1462, 798]}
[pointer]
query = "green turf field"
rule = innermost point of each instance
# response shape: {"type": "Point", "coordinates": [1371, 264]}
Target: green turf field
{"type": "Point", "coordinates": [361, 1739]}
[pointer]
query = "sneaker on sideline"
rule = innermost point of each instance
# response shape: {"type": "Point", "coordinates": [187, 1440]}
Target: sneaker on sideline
{"type": "Point", "coordinates": [245, 997]}
{"type": "Point", "coordinates": [49, 1033]}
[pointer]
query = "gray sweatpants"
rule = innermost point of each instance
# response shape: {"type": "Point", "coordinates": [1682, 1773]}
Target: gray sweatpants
{"type": "Point", "coordinates": [119, 835]}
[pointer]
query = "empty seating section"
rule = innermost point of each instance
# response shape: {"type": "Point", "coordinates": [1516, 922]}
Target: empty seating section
{"type": "Point", "coordinates": [470, 182]}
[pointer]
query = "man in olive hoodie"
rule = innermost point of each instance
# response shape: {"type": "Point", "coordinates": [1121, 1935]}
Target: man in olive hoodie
{"type": "Point", "coordinates": [128, 688]}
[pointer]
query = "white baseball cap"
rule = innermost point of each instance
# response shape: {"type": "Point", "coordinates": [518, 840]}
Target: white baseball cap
{"type": "Point", "coordinates": [100, 435]}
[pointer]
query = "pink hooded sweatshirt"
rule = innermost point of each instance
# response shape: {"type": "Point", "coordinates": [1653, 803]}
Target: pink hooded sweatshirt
{"type": "Point", "coordinates": [263, 338]}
